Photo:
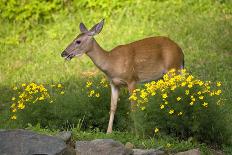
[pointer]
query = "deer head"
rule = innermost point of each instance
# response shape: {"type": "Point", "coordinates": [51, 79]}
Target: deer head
{"type": "Point", "coordinates": [83, 42]}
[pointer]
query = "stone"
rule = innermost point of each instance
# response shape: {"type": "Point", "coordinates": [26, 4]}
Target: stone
{"type": "Point", "coordinates": [65, 136]}
{"type": "Point", "coordinates": [190, 152]}
{"type": "Point", "coordinates": [101, 147]}
{"type": "Point", "coordinates": [129, 145]}
{"type": "Point", "coordinates": [23, 142]}
{"type": "Point", "coordinates": [148, 152]}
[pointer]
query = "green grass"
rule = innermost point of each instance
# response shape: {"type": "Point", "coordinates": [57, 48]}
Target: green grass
{"type": "Point", "coordinates": [203, 29]}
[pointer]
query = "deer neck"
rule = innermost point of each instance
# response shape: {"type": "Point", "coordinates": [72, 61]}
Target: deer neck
{"type": "Point", "coordinates": [98, 55]}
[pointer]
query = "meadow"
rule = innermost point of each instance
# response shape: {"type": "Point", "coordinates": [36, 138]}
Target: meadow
{"type": "Point", "coordinates": [34, 33]}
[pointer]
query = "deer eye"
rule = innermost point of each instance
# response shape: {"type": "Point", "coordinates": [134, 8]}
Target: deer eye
{"type": "Point", "coordinates": [78, 42]}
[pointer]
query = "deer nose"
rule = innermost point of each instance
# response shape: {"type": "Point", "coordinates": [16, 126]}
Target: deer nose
{"type": "Point", "coordinates": [63, 54]}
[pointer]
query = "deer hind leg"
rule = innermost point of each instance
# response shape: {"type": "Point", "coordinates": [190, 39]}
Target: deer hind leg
{"type": "Point", "coordinates": [113, 106]}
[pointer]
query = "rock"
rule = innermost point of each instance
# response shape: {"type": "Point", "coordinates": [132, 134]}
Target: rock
{"type": "Point", "coordinates": [101, 147]}
{"type": "Point", "coordinates": [23, 142]}
{"type": "Point", "coordinates": [190, 152]}
{"type": "Point", "coordinates": [148, 152]}
{"type": "Point", "coordinates": [65, 136]}
{"type": "Point", "coordinates": [129, 145]}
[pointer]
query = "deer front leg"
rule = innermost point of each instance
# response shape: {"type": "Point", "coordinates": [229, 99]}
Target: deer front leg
{"type": "Point", "coordinates": [113, 105]}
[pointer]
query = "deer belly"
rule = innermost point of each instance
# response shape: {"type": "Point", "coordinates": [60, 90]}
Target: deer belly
{"type": "Point", "coordinates": [149, 75]}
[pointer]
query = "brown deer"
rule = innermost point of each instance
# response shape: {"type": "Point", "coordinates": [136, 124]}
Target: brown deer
{"type": "Point", "coordinates": [126, 65]}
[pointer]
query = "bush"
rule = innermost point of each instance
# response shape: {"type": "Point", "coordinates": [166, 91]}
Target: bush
{"type": "Point", "coordinates": [64, 106]}
{"type": "Point", "coordinates": [183, 106]}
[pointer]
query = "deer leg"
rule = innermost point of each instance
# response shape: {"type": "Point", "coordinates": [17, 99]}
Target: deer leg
{"type": "Point", "coordinates": [113, 106]}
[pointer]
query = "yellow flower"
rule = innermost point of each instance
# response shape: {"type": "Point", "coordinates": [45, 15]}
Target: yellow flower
{"type": "Point", "coordinates": [171, 111]}
{"type": "Point", "coordinates": [13, 98]}
{"type": "Point", "coordinates": [218, 92]}
{"type": "Point", "coordinates": [41, 98]}
{"type": "Point", "coordinates": [205, 104]}
{"type": "Point", "coordinates": [59, 86]}
{"type": "Point", "coordinates": [166, 102]}
{"type": "Point", "coordinates": [199, 93]}
{"type": "Point", "coordinates": [23, 85]}
{"type": "Point", "coordinates": [200, 83]}
{"type": "Point", "coordinates": [183, 84]}
{"type": "Point", "coordinates": [88, 84]}
{"type": "Point", "coordinates": [14, 110]}
{"type": "Point", "coordinates": [15, 88]}
{"type": "Point", "coordinates": [161, 106]}
{"type": "Point", "coordinates": [168, 144]}
{"type": "Point", "coordinates": [143, 108]}
{"type": "Point", "coordinates": [13, 105]}
{"type": "Point", "coordinates": [219, 84]}
{"type": "Point", "coordinates": [186, 92]}
{"type": "Point", "coordinates": [190, 85]}
{"type": "Point", "coordinates": [191, 103]}
{"type": "Point", "coordinates": [91, 93]}
{"type": "Point", "coordinates": [180, 113]}
{"type": "Point", "coordinates": [133, 97]}
{"type": "Point", "coordinates": [164, 95]}
{"type": "Point", "coordinates": [178, 98]}
{"type": "Point", "coordinates": [173, 87]}
{"type": "Point", "coordinates": [201, 97]}
{"type": "Point", "coordinates": [62, 92]}
{"type": "Point", "coordinates": [21, 106]}
{"type": "Point", "coordinates": [13, 117]}
{"type": "Point", "coordinates": [51, 101]}
{"type": "Point", "coordinates": [156, 130]}
{"type": "Point", "coordinates": [97, 95]}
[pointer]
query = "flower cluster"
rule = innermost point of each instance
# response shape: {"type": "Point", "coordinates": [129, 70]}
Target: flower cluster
{"type": "Point", "coordinates": [94, 88]}
{"type": "Point", "coordinates": [176, 90]}
{"type": "Point", "coordinates": [25, 94]}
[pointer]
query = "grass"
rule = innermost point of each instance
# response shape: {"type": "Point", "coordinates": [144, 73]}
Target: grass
{"type": "Point", "coordinates": [202, 29]}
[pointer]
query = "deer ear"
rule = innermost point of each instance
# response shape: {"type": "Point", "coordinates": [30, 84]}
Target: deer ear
{"type": "Point", "coordinates": [83, 28]}
{"type": "Point", "coordinates": [96, 29]}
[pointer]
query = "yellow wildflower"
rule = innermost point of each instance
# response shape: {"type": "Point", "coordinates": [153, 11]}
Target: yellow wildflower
{"type": "Point", "coordinates": [171, 111]}
{"type": "Point", "coordinates": [133, 97]}
{"type": "Point", "coordinates": [161, 106]}
{"type": "Point", "coordinates": [180, 113]}
{"type": "Point", "coordinates": [88, 84]}
{"type": "Point", "coordinates": [200, 83]}
{"type": "Point", "coordinates": [183, 84]}
{"type": "Point", "coordinates": [14, 110]}
{"type": "Point", "coordinates": [186, 92]}
{"type": "Point", "coordinates": [178, 98]}
{"type": "Point", "coordinates": [205, 104]}
{"type": "Point", "coordinates": [218, 92]}
{"type": "Point", "coordinates": [13, 117]}
{"type": "Point", "coordinates": [201, 97]}
{"type": "Point", "coordinates": [13, 105]}
{"type": "Point", "coordinates": [62, 92]}
{"type": "Point", "coordinates": [13, 98]}
{"type": "Point", "coordinates": [21, 106]}
{"type": "Point", "coordinates": [97, 95]}
{"type": "Point", "coordinates": [156, 130]}
{"type": "Point", "coordinates": [199, 93]}
{"type": "Point", "coordinates": [23, 85]}
{"type": "Point", "coordinates": [143, 108]}
{"type": "Point", "coordinates": [190, 85]}
{"type": "Point", "coordinates": [15, 88]}
{"type": "Point", "coordinates": [41, 98]}
{"type": "Point", "coordinates": [59, 86]}
{"type": "Point", "coordinates": [91, 93]}
{"type": "Point", "coordinates": [164, 95]}
{"type": "Point", "coordinates": [191, 103]}
{"type": "Point", "coordinates": [219, 84]}
{"type": "Point", "coordinates": [168, 144]}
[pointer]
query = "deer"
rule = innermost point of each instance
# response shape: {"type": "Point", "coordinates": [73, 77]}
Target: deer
{"type": "Point", "coordinates": [126, 65]}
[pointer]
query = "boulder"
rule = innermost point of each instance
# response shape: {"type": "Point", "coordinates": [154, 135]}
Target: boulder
{"type": "Point", "coordinates": [148, 152]}
{"type": "Point", "coordinates": [101, 147]}
{"type": "Point", "coordinates": [190, 152]}
{"type": "Point", "coordinates": [23, 142]}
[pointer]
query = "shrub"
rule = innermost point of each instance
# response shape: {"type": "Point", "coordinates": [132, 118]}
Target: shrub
{"type": "Point", "coordinates": [181, 105]}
